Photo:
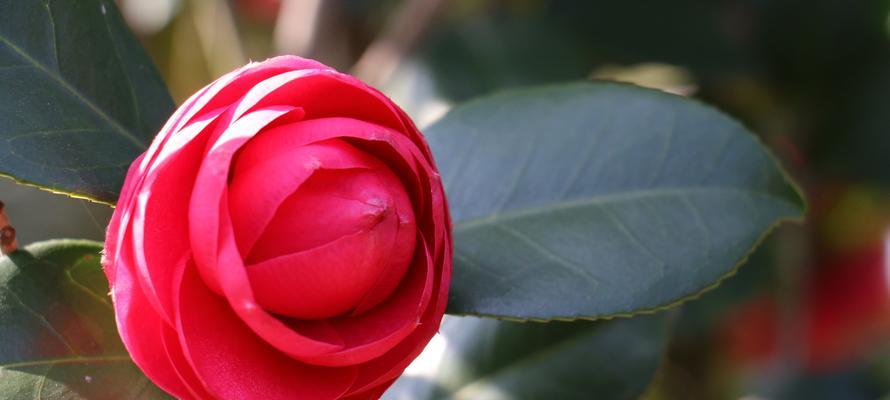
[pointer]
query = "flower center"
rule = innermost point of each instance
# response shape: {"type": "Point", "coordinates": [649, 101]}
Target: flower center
{"type": "Point", "coordinates": [339, 244]}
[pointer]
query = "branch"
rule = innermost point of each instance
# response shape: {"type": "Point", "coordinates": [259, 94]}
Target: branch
{"type": "Point", "coordinates": [406, 29]}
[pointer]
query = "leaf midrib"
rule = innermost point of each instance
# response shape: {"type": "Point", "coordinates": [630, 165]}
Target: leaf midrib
{"type": "Point", "coordinates": [69, 360]}
{"type": "Point", "coordinates": [59, 80]}
{"type": "Point", "coordinates": [609, 198]}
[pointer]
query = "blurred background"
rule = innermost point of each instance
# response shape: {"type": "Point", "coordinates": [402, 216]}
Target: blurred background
{"type": "Point", "coordinates": [808, 317]}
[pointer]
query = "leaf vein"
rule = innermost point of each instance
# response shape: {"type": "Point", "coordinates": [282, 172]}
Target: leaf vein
{"type": "Point", "coordinates": [134, 101]}
{"type": "Point", "coordinates": [628, 233]}
{"type": "Point", "coordinates": [68, 360]}
{"type": "Point", "coordinates": [514, 184]}
{"type": "Point", "coordinates": [43, 322]}
{"type": "Point", "coordinates": [663, 154]}
{"type": "Point", "coordinates": [588, 155]}
{"type": "Point", "coordinates": [700, 222]}
{"type": "Point", "coordinates": [46, 132]}
{"type": "Point", "coordinates": [563, 262]}
{"type": "Point", "coordinates": [608, 198]}
{"type": "Point", "coordinates": [55, 39]}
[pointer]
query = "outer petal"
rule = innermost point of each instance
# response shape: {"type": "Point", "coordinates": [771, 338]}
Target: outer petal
{"type": "Point", "coordinates": [213, 241]}
{"type": "Point", "coordinates": [113, 233]}
{"type": "Point", "coordinates": [382, 371]}
{"type": "Point", "coordinates": [235, 364]}
{"type": "Point", "coordinates": [323, 94]}
{"type": "Point", "coordinates": [376, 332]}
{"type": "Point", "coordinates": [371, 394]}
{"type": "Point", "coordinates": [181, 365]}
{"type": "Point", "coordinates": [140, 166]}
{"type": "Point", "coordinates": [210, 186]}
{"type": "Point", "coordinates": [159, 230]}
{"type": "Point", "coordinates": [391, 147]}
{"type": "Point", "coordinates": [236, 287]}
{"type": "Point", "coordinates": [221, 93]}
{"type": "Point", "coordinates": [141, 329]}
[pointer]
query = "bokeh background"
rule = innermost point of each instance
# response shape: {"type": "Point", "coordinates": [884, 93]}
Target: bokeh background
{"type": "Point", "coordinates": [808, 316]}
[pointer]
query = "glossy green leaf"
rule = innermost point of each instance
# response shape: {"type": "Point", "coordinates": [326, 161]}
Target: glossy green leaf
{"type": "Point", "coordinates": [59, 339]}
{"type": "Point", "coordinates": [492, 360]}
{"type": "Point", "coordinates": [598, 199]}
{"type": "Point", "coordinates": [79, 97]}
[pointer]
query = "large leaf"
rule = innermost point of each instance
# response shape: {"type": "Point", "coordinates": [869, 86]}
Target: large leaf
{"type": "Point", "coordinates": [59, 339]}
{"type": "Point", "coordinates": [599, 199]}
{"type": "Point", "coordinates": [488, 359]}
{"type": "Point", "coordinates": [79, 97]}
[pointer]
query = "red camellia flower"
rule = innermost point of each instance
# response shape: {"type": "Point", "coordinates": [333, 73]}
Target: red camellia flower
{"type": "Point", "coordinates": [286, 236]}
{"type": "Point", "coordinates": [844, 313]}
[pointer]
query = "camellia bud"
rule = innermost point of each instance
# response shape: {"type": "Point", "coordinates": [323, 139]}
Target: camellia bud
{"type": "Point", "coordinates": [285, 236]}
{"type": "Point", "coordinates": [351, 232]}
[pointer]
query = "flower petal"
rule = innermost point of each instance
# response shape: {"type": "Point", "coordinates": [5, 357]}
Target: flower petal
{"type": "Point", "coordinates": [141, 330]}
{"type": "Point", "coordinates": [159, 230]}
{"type": "Point", "coordinates": [399, 260]}
{"type": "Point", "coordinates": [329, 205]}
{"type": "Point", "coordinates": [267, 172]}
{"type": "Point", "coordinates": [388, 146]}
{"type": "Point", "coordinates": [235, 364]}
{"type": "Point", "coordinates": [379, 330]}
{"type": "Point", "coordinates": [236, 287]}
{"type": "Point", "coordinates": [181, 366]}
{"type": "Point", "coordinates": [114, 234]}
{"type": "Point", "coordinates": [210, 187]}
{"type": "Point", "coordinates": [381, 371]}
{"type": "Point", "coordinates": [327, 280]}
{"type": "Point", "coordinates": [323, 94]}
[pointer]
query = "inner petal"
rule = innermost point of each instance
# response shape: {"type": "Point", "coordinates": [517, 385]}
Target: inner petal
{"type": "Point", "coordinates": [331, 243]}
{"type": "Point", "coordinates": [269, 170]}
{"type": "Point", "coordinates": [329, 205]}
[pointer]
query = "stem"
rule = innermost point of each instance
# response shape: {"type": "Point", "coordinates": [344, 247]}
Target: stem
{"type": "Point", "coordinates": [408, 26]}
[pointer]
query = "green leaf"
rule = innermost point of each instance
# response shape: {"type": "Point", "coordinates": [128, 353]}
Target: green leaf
{"type": "Point", "coordinates": [592, 200]}
{"type": "Point", "coordinates": [79, 97]}
{"type": "Point", "coordinates": [59, 336]}
{"type": "Point", "coordinates": [488, 359]}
